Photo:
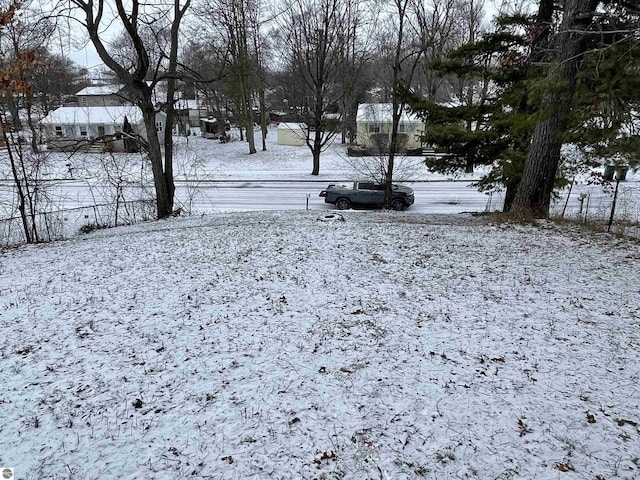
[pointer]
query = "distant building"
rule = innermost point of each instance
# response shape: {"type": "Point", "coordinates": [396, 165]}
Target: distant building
{"type": "Point", "coordinates": [97, 122]}
{"type": "Point", "coordinates": [188, 115]}
{"type": "Point", "coordinates": [101, 96]}
{"type": "Point", "coordinates": [374, 123]}
{"type": "Point", "coordinates": [292, 134]}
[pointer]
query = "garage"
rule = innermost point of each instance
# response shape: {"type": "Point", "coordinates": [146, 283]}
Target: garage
{"type": "Point", "coordinates": [292, 134]}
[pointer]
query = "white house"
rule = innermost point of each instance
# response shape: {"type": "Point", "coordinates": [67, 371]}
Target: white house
{"type": "Point", "coordinates": [69, 127]}
{"type": "Point", "coordinates": [374, 124]}
{"type": "Point", "coordinates": [292, 134]}
{"type": "Point", "coordinates": [101, 96]}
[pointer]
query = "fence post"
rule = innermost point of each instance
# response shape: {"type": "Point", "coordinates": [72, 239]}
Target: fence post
{"type": "Point", "coordinates": [564, 209]}
{"type": "Point", "coordinates": [586, 208]}
{"type": "Point", "coordinates": [613, 205]}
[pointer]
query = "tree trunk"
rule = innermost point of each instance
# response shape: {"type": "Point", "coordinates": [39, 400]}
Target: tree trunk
{"type": "Point", "coordinates": [316, 150]}
{"type": "Point", "coordinates": [245, 107]}
{"type": "Point", "coordinates": [539, 49]}
{"type": "Point", "coordinates": [393, 145]}
{"type": "Point", "coordinates": [264, 117]}
{"type": "Point", "coordinates": [509, 195]}
{"type": "Point", "coordinates": [318, 113]}
{"type": "Point", "coordinates": [251, 138]}
{"type": "Point", "coordinates": [134, 79]}
{"type": "Point", "coordinates": [35, 148]}
{"type": "Point", "coordinates": [18, 184]}
{"type": "Point", "coordinates": [168, 144]}
{"type": "Point", "coordinates": [15, 113]}
{"type": "Point", "coordinates": [396, 107]}
{"type": "Point", "coordinates": [538, 177]}
{"type": "Point", "coordinates": [170, 111]}
{"type": "Point", "coordinates": [164, 202]}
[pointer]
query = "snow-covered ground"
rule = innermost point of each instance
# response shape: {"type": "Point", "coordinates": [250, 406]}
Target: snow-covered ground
{"type": "Point", "coordinates": [293, 345]}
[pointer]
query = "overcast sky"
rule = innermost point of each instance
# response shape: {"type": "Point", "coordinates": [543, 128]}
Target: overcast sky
{"type": "Point", "coordinates": [87, 57]}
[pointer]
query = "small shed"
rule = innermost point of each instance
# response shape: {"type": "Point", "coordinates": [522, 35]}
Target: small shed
{"type": "Point", "coordinates": [292, 134]}
{"type": "Point", "coordinates": [210, 128]}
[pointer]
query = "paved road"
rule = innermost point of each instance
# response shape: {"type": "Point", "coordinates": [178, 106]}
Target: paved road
{"type": "Point", "coordinates": [440, 197]}
{"type": "Point", "coordinates": [431, 197]}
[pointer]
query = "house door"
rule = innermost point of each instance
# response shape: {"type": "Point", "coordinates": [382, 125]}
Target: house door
{"type": "Point", "coordinates": [100, 131]}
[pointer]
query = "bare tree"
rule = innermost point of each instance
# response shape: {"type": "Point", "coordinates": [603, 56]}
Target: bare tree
{"type": "Point", "coordinates": [438, 29]}
{"type": "Point", "coordinates": [235, 26]}
{"type": "Point", "coordinates": [204, 62]}
{"type": "Point", "coordinates": [236, 21]}
{"type": "Point", "coordinates": [54, 82]}
{"type": "Point", "coordinates": [313, 46]}
{"type": "Point", "coordinates": [261, 74]}
{"type": "Point", "coordinates": [20, 58]}
{"type": "Point", "coordinates": [404, 61]}
{"type": "Point", "coordinates": [424, 31]}
{"type": "Point", "coordinates": [355, 75]}
{"type": "Point", "coordinates": [172, 75]}
{"type": "Point", "coordinates": [472, 90]}
{"type": "Point", "coordinates": [138, 75]}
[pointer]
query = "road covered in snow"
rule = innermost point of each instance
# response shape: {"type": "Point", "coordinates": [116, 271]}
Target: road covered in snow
{"type": "Point", "coordinates": [213, 178]}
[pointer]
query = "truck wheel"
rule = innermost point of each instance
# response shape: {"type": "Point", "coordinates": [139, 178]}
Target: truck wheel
{"type": "Point", "coordinates": [343, 204]}
{"type": "Point", "coordinates": [397, 204]}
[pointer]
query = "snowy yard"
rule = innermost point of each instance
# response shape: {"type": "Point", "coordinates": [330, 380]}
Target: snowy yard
{"type": "Point", "coordinates": [278, 346]}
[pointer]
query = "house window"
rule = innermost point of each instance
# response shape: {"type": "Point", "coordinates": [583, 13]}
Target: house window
{"type": "Point", "coordinates": [158, 126]}
{"type": "Point", "coordinates": [404, 128]}
{"type": "Point", "coordinates": [58, 131]}
{"type": "Point", "coordinates": [374, 128]}
{"type": "Point", "coordinates": [83, 101]}
{"type": "Point", "coordinates": [83, 130]}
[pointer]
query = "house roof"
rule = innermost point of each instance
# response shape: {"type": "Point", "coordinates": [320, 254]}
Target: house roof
{"type": "Point", "coordinates": [381, 113]}
{"type": "Point", "coordinates": [93, 115]}
{"type": "Point", "coordinates": [99, 90]}
{"type": "Point", "coordinates": [291, 126]}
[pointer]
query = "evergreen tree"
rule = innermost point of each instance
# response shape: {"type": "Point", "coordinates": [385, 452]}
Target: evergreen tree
{"type": "Point", "coordinates": [131, 143]}
{"type": "Point", "coordinates": [494, 126]}
{"type": "Point", "coordinates": [517, 64]}
{"type": "Point", "coordinates": [604, 118]}
{"type": "Point", "coordinates": [586, 93]}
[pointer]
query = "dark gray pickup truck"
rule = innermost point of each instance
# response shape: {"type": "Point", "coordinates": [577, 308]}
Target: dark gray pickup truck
{"type": "Point", "coordinates": [344, 196]}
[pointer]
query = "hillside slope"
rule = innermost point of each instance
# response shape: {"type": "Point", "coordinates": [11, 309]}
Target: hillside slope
{"type": "Point", "coordinates": [287, 345]}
